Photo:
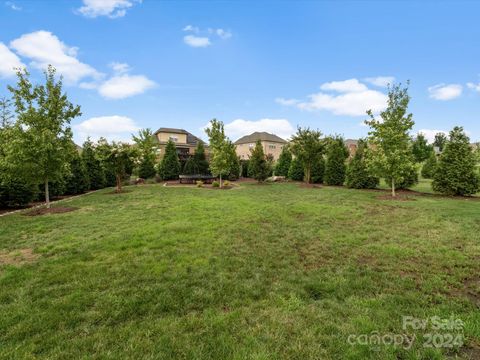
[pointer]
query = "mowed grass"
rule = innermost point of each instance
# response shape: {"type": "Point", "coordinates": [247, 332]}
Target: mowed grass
{"type": "Point", "coordinates": [257, 272]}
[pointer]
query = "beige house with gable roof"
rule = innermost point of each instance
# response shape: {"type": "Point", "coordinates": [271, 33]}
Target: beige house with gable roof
{"type": "Point", "coordinates": [272, 144]}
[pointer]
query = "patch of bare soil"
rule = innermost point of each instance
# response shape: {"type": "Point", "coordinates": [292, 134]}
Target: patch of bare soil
{"type": "Point", "coordinates": [310, 186]}
{"type": "Point", "coordinates": [399, 197]}
{"type": "Point", "coordinates": [471, 352]}
{"type": "Point", "coordinates": [17, 257]}
{"type": "Point", "coordinates": [53, 210]}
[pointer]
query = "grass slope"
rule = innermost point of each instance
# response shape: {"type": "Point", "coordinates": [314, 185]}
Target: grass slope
{"type": "Point", "coordinates": [258, 272]}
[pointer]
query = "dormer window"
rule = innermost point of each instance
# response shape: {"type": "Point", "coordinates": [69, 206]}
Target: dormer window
{"type": "Point", "coordinates": [174, 138]}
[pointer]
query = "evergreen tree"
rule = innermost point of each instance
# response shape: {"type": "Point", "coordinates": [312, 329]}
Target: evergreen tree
{"type": "Point", "coordinates": [295, 172]}
{"type": "Point", "coordinates": [456, 173]}
{"type": "Point", "coordinates": [420, 148]}
{"type": "Point", "coordinates": [146, 168]}
{"type": "Point", "coordinates": [103, 150]}
{"type": "Point", "coordinates": [234, 161]}
{"type": "Point", "coordinates": [77, 180]}
{"type": "Point", "coordinates": [169, 167]}
{"type": "Point", "coordinates": [358, 175]}
{"type": "Point", "coordinates": [94, 167]}
{"type": "Point", "coordinates": [258, 167]}
{"type": "Point", "coordinates": [200, 159]}
{"type": "Point", "coordinates": [430, 166]}
{"type": "Point", "coordinates": [283, 163]}
{"type": "Point", "coordinates": [390, 155]}
{"type": "Point", "coordinates": [335, 168]}
{"type": "Point", "coordinates": [318, 170]}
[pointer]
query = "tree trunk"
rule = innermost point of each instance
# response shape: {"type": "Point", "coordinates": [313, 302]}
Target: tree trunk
{"type": "Point", "coordinates": [307, 175]}
{"type": "Point", "coordinates": [119, 183]}
{"type": "Point", "coordinates": [221, 184]}
{"type": "Point", "coordinates": [393, 188]}
{"type": "Point", "coordinates": [47, 194]}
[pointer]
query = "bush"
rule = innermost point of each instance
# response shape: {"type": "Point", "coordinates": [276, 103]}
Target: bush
{"type": "Point", "coordinates": [14, 192]}
{"type": "Point", "coordinates": [357, 175]}
{"type": "Point", "coordinates": [335, 167]}
{"type": "Point", "coordinates": [295, 172]}
{"type": "Point", "coordinates": [428, 169]}
{"type": "Point", "coordinates": [169, 167]}
{"type": "Point", "coordinates": [284, 161]}
{"type": "Point", "coordinates": [226, 183]}
{"type": "Point", "coordinates": [456, 173]}
{"type": "Point", "coordinates": [318, 171]}
{"type": "Point", "coordinates": [199, 183]}
{"type": "Point", "coordinates": [215, 184]}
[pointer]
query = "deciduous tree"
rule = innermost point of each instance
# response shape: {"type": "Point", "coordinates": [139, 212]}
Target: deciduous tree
{"type": "Point", "coordinates": [307, 147]}
{"type": "Point", "coordinates": [44, 114]}
{"type": "Point", "coordinates": [390, 155]}
{"type": "Point", "coordinates": [421, 149]}
{"type": "Point", "coordinates": [147, 147]}
{"type": "Point", "coordinates": [220, 150]}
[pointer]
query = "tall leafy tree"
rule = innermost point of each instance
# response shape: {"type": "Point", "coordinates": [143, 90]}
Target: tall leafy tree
{"type": "Point", "coordinates": [440, 141]}
{"type": "Point", "coordinates": [421, 149]}
{"type": "Point", "coordinates": [93, 165]}
{"type": "Point", "coordinates": [390, 155]}
{"type": "Point", "coordinates": [258, 166]}
{"type": "Point", "coordinates": [103, 149]}
{"type": "Point", "coordinates": [456, 173]}
{"type": "Point", "coordinates": [335, 167]}
{"type": "Point", "coordinates": [306, 145]}
{"type": "Point", "coordinates": [6, 114]}
{"type": "Point", "coordinates": [169, 167]}
{"type": "Point", "coordinates": [147, 146]}
{"type": "Point", "coordinates": [358, 175]}
{"type": "Point", "coordinates": [220, 150]}
{"type": "Point", "coordinates": [44, 114]}
{"type": "Point", "coordinates": [283, 163]}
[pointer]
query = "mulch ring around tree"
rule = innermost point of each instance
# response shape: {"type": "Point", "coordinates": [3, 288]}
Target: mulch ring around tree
{"type": "Point", "coordinates": [53, 210]}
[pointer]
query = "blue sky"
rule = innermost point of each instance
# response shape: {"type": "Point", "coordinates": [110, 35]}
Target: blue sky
{"type": "Point", "coordinates": [264, 65]}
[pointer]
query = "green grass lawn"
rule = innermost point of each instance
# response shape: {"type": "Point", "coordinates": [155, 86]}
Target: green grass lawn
{"type": "Point", "coordinates": [256, 272]}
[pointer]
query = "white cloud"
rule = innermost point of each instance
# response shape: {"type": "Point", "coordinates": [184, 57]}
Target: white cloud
{"type": "Point", "coordinates": [445, 92]}
{"type": "Point", "coordinates": [113, 127]}
{"type": "Point", "coordinates": [110, 8]}
{"type": "Point", "coordinates": [191, 28]}
{"type": "Point", "coordinates": [223, 34]}
{"type": "Point", "coordinates": [475, 87]}
{"type": "Point", "coordinates": [13, 6]}
{"type": "Point", "coordinates": [44, 48]}
{"type": "Point", "coordinates": [287, 102]}
{"type": "Point", "coordinates": [345, 86]}
{"type": "Point", "coordinates": [430, 134]}
{"type": "Point", "coordinates": [381, 81]}
{"type": "Point", "coordinates": [240, 127]}
{"type": "Point", "coordinates": [196, 41]}
{"type": "Point", "coordinates": [120, 68]}
{"type": "Point", "coordinates": [8, 61]}
{"type": "Point", "coordinates": [349, 97]}
{"type": "Point", "coordinates": [123, 86]}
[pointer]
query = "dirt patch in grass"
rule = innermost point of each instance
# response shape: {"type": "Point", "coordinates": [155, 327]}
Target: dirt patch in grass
{"type": "Point", "coordinates": [17, 257]}
{"type": "Point", "coordinates": [399, 197]}
{"type": "Point", "coordinates": [53, 210]}
{"type": "Point", "coordinates": [470, 352]}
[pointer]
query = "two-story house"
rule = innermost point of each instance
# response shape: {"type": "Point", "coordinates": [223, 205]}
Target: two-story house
{"type": "Point", "coordinates": [272, 144]}
{"type": "Point", "coordinates": [185, 142]}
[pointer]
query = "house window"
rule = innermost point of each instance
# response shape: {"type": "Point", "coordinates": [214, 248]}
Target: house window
{"type": "Point", "coordinates": [272, 146]}
{"type": "Point", "coordinates": [173, 138]}
{"type": "Point", "coordinates": [251, 145]}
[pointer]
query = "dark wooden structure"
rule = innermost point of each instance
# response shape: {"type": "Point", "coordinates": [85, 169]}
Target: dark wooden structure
{"type": "Point", "coordinates": [191, 179]}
